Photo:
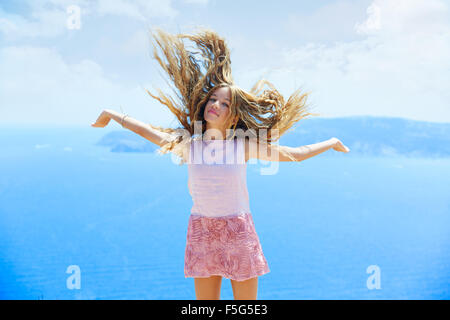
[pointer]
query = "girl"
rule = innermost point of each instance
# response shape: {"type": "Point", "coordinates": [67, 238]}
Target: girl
{"type": "Point", "coordinates": [222, 127]}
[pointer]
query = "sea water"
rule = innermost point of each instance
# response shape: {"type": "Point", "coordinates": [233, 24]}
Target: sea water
{"type": "Point", "coordinates": [121, 218]}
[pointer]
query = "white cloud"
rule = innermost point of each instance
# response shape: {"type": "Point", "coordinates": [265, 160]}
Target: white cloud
{"type": "Point", "coordinates": [400, 17]}
{"type": "Point", "coordinates": [401, 68]}
{"type": "Point", "coordinates": [334, 21]}
{"type": "Point", "coordinates": [138, 9]}
{"type": "Point", "coordinates": [137, 43]}
{"type": "Point", "coordinates": [43, 23]}
{"type": "Point", "coordinates": [395, 63]}
{"type": "Point", "coordinates": [38, 86]}
{"type": "Point", "coordinates": [48, 18]}
{"type": "Point", "coordinates": [202, 2]}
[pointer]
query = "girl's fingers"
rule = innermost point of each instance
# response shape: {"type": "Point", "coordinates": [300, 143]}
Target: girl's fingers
{"type": "Point", "coordinates": [342, 148]}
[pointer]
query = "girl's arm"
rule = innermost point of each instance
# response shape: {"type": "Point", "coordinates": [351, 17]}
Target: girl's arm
{"type": "Point", "coordinates": [271, 152]}
{"type": "Point", "coordinates": [144, 130]}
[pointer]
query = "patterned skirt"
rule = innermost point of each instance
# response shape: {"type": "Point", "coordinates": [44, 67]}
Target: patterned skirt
{"type": "Point", "coordinates": [227, 246]}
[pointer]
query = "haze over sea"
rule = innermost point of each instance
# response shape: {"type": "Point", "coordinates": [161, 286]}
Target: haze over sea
{"type": "Point", "coordinates": [122, 218]}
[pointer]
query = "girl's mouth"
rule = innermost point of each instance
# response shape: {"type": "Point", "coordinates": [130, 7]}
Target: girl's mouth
{"type": "Point", "coordinates": [211, 111]}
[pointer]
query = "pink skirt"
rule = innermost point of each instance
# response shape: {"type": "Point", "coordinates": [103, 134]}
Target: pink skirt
{"type": "Point", "coordinates": [227, 246]}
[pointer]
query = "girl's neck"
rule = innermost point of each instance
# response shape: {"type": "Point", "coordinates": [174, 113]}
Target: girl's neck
{"type": "Point", "coordinates": [209, 135]}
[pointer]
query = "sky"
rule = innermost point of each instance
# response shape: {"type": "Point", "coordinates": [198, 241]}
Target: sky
{"type": "Point", "coordinates": [387, 58]}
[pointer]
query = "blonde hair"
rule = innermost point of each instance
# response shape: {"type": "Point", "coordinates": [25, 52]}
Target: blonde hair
{"type": "Point", "coordinates": [196, 74]}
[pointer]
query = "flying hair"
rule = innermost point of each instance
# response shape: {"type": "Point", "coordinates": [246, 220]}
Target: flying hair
{"type": "Point", "coordinates": [195, 73]}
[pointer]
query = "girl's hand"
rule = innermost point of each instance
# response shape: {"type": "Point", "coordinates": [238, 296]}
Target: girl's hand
{"type": "Point", "coordinates": [102, 120]}
{"type": "Point", "coordinates": [339, 146]}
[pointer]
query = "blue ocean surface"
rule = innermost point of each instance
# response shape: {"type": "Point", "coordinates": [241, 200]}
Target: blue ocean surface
{"type": "Point", "coordinates": [324, 223]}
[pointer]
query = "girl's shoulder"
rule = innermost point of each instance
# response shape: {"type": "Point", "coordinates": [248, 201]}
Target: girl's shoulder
{"type": "Point", "coordinates": [182, 147]}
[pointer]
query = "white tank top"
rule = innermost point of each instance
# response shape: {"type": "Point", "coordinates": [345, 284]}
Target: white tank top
{"type": "Point", "coordinates": [217, 177]}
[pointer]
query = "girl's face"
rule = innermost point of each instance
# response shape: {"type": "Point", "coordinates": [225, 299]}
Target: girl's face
{"type": "Point", "coordinates": [218, 108]}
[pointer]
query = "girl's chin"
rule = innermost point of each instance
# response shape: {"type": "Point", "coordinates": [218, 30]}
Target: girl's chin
{"type": "Point", "coordinates": [211, 118]}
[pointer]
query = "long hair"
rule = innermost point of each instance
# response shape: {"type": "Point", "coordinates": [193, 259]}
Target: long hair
{"type": "Point", "coordinates": [195, 75]}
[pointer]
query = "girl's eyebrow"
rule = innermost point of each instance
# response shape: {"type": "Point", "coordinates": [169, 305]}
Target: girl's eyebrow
{"type": "Point", "coordinates": [213, 95]}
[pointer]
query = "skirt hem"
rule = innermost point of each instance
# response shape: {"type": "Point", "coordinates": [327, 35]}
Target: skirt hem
{"type": "Point", "coordinates": [228, 276]}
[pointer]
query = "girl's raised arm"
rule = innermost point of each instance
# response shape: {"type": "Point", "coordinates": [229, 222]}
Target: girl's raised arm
{"type": "Point", "coordinates": [144, 130]}
{"type": "Point", "coordinates": [272, 152]}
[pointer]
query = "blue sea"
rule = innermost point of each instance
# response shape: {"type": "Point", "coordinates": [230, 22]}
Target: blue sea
{"type": "Point", "coordinates": [121, 218]}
